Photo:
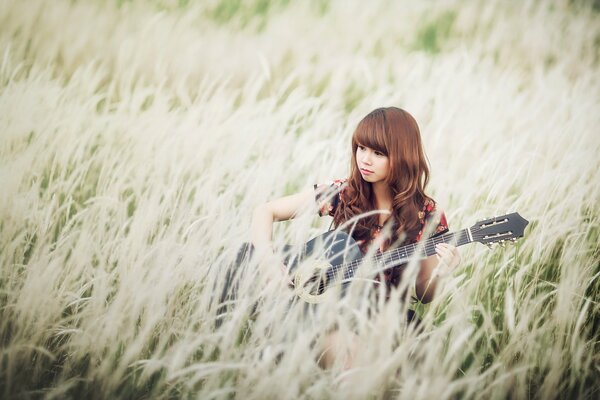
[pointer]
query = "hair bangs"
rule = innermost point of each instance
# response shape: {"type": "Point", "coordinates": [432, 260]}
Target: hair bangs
{"type": "Point", "coordinates": [371, 133]}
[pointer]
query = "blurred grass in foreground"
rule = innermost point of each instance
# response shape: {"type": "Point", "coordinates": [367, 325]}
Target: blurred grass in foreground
{"type": "Point", "coordinates": [136, 137]}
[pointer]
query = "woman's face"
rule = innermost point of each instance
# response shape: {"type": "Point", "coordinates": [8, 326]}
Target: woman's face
{"type": "Point", "coordinates": [373, 165]}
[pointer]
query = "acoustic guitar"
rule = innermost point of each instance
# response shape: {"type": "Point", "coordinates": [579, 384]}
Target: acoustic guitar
{"type": "Point", "coordinates": [333, 258]}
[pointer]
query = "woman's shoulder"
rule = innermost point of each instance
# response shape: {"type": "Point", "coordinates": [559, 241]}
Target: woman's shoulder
{"type": "Point", "coordinates": [338, 182]}
{"type": "Point", "coordinates": [429, 206]}
{"type": "Point", "coordinates": [328, 195]}
{"type": "Point", "coordinates": [331, 184]}
{"type": "Point", "coordinates": [432, 212]}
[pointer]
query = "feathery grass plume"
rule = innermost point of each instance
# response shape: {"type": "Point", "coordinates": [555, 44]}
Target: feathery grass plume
{"type": "Point", "coordinates": [137, 136]}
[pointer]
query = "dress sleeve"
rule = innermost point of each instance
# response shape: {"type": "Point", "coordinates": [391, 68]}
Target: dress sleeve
{"type": "Point", "coordinates": [327, 196]}
{"type": "Point", "coordinates": [432, 214]}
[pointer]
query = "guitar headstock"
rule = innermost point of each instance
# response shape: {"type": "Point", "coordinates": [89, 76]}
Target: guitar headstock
{"type": "Point", "coordinates": [499, 229]}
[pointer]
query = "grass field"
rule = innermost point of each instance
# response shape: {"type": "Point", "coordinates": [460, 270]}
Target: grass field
{"type": "Point", "coordinates": [136, 137]}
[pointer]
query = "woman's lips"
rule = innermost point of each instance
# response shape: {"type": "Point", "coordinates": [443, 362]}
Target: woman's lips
{"type": "Point", "coordinates": [366, 171]}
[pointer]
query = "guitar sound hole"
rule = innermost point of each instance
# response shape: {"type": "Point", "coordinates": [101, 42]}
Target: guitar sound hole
{"type": "Point", "coordinates": [317, 282]}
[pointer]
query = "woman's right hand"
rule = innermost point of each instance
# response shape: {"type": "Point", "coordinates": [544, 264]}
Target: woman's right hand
{"type": "Point", "coordinates": [286, 276]}
{"type": "Point", "coordinates": [275, 271]}
{"type": "Point", "coordinates": [263, 217]}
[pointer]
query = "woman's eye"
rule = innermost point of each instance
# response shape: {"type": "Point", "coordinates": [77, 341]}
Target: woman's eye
{"type": "Point", "coordinates": [378, 153]}
{"type": "Point", "coordinates": [361, 148]}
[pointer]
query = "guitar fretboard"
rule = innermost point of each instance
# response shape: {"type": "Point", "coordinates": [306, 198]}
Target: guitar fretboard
{"type": "Point", "coordinates": [404, 254]}
{"type": "Point", "coordinates": [422, 250]}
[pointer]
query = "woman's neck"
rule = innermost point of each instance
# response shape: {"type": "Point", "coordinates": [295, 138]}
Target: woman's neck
{"type": "Point", "coordinates": [383, 196]}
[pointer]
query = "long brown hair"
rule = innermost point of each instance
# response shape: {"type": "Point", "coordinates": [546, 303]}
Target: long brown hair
{"type": "Point", "coordinates": [395, 133]}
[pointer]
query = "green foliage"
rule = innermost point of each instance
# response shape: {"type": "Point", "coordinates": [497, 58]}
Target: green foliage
{"type": "Point", "coordinates": [228, 12]}
{"type": "Point", "coordinates": [434, 33]}
{"type": "Point", "coordinates": [352, 96]}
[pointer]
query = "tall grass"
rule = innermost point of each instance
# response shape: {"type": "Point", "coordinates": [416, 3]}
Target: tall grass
{"type": "Point", "coordinates": [136, 137]}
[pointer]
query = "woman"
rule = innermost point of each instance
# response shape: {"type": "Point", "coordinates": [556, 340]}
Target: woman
{"type": "Point", "coordinates": [388, 174]}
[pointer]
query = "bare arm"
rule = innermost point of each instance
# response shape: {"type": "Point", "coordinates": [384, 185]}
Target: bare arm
{"type": "Point", "coordinates": [426, 285]}
{"type": "Point", "coordinates": [281, 209]}
{"type": "Point", "coordinates": [433, 268]}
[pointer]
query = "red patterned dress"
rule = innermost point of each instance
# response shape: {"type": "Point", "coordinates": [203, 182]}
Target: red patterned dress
{"type": "Point", "coordinates": [328, 197]}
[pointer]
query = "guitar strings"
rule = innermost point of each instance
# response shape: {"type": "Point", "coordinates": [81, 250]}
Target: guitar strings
{"type": "Point", "coordinates": [406, 252]}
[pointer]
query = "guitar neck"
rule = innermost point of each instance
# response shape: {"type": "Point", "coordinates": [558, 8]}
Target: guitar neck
{"type": "Point", "coordinates": [487, 231]}
{"type": "Point", "coordinates": [422, 249]}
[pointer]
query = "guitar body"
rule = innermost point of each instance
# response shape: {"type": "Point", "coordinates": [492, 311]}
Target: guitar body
{"type": "Point", "coordinates": [325, 259]}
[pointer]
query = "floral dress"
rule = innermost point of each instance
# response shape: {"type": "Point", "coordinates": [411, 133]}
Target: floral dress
{"type": "Point", "coordinates": [328, 196]}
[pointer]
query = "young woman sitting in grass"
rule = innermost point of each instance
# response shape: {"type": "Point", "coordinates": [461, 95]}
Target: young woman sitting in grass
{"type": "Point", "coordinates": [388, 174]}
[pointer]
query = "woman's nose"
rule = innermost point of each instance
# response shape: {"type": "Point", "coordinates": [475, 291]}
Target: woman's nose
{"type": "Point", "coordinates": [366, 158]}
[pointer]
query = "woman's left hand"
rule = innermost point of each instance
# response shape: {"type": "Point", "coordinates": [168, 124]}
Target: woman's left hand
{"type": "Point", "coordinates": [448, 257]}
